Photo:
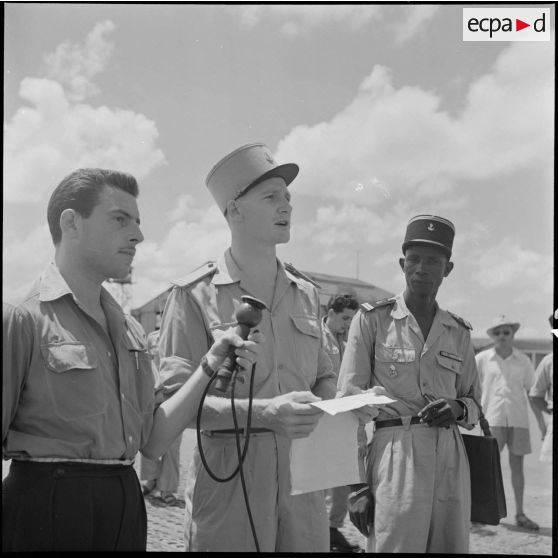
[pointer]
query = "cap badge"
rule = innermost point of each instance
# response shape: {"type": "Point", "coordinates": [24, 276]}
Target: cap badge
{"type": "Point", "coordinates": [430, 227]}
{"type": "Point", "coordinates": [269, 159]}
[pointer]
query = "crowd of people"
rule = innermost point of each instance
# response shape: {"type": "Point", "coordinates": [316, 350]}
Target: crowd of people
{"type": "Point", "coordinates": [86, 391]}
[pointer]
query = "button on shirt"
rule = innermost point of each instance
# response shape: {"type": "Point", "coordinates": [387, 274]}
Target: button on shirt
{"type": "Point", "coordinates": [70, 390]}
{"type": "Point", "coordinates": [505, 383]}
{"type": "Point", "coordinates": [292, 357]}
{"type": "Point", "coordinates": [386, 347]}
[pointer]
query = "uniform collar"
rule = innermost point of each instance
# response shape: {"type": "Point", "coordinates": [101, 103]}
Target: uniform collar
{"type": "Point", "coordinates": [326, 327]}
{"type": "Point", "coordinates": [400, 310]}
{"type": "Point", "coordinates": [229, 272]}
{"type": "Point", "coordinates": [494, 354]}
{"type": "Point", "coordinates": [53, 286]}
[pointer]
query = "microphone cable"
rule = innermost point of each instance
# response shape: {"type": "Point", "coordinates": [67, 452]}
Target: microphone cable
{"type": "Point", "coordinates": [241, 453]}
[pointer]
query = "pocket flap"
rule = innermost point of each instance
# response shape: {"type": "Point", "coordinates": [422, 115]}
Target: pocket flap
{"type": "Point", "coordinates": [396, 354]}
{"type": "Point", "coordinates": [68, 356]}
{"type": "Point", "coordinates": [307, 325]}
{"type": "Point", "coordinates": [449, 363]}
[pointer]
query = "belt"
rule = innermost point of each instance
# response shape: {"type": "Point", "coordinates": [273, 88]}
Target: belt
{"type": "Point", "coordinates": [395, 422]}
{"type": "Point", "coordinates": [70, 460]}
{"type": "Point", "coordinates": [232, 431]}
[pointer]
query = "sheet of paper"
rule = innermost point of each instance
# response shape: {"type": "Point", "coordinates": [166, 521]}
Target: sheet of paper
{"type": "Point", "coordinates": [350, 402]}
{"type": "Point", "coordinates": [328, 457]}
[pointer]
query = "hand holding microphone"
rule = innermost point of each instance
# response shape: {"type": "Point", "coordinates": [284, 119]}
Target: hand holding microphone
{"type": "Point", "coordinates": [248, 315]}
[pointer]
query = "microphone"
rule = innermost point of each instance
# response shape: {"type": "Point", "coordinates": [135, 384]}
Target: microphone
{"type": "Point", "coordinates": [248, 315]}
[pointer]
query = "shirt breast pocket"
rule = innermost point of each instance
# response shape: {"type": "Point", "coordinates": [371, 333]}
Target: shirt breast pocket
{"type": "Point", "coordinates": [396, 366]}
{"type": "Point", "coordinates": [449, 370]}
{"type": "Point", "coordinates": [74, 382]}
{"type": "Point", "coordinates": [306, 344]}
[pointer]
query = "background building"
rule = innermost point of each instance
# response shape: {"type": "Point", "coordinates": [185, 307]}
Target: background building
{"type": "Point", "coordinates": [535, 349]}
{"type": "Point", "coordinates": [149, 314]}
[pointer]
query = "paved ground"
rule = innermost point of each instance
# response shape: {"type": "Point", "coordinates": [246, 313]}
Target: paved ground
{"type": "Point", "coordinates": [166, 522]}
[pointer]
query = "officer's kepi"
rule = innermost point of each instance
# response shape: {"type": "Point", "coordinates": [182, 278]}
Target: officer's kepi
{"type": "Point", "coordinates": [430, 230]}
{"type": "Point", "coordinates": [241, 170]}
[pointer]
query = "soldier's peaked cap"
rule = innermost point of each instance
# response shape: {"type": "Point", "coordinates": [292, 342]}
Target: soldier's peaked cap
{"type": "Point", "coordinates": [430, 229]}
{"type": "Point", "coordinates": [242, 169]}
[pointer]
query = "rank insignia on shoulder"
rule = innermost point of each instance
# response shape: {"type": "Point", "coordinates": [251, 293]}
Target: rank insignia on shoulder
{"type": "Point", "coordinates": [294, 271]}
{"type": "Point", "coordinates": [199, 273]}
{"type": "Point", "coordinates": [367, 306]}
{"type": "Point", "coordinates": [460, 320]}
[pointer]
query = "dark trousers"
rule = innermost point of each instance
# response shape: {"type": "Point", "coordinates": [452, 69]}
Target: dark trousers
{"type": "Point", "coordinates": [72, 506]}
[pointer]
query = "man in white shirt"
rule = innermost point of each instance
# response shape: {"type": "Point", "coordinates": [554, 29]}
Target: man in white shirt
{"type": "Point", "coordinates": [506, 376]}
{"type": "Point", "coordinates": [541, 396]}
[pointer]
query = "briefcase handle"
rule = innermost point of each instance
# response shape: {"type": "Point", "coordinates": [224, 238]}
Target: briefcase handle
{"type": "Point", "coordinates": [485, 427]}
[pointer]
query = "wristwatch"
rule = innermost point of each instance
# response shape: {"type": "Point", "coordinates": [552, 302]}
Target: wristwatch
{"type": "Point", "coordinates": [464, 413]}
{"type": "Point", "coordinates": [205, 366]}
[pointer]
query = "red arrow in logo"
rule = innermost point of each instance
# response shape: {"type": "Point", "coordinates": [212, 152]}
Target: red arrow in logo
{"type": "Point", "coordinates": [519, 25]}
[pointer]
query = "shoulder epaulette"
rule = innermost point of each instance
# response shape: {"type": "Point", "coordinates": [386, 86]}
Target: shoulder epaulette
{"type": "Point", "coordinates": [292, 269]}
{"type": "Point", "coordinates": [199, 273]}
{"type": "Point", "coordinates": [367, 306]}
{"type": "Point", "coordinates": [460, 320]}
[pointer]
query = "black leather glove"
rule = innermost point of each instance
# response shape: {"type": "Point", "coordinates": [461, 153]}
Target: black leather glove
{"type": "Point", "coordinates": [438, 413]}
{"type": "Point", "coordinates": [361, 509]}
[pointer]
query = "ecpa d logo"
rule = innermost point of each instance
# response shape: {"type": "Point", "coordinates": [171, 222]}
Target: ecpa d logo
{"type": "Point", "coordinates": [506, 24]}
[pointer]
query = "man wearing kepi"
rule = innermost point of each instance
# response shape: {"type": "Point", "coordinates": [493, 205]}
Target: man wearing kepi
{"type": "Point", "coordinates": [417, 496]}
{"type": "Point", "coordinates": [77, 383]}
{"type": "Point", "coordinates": [293, 370]}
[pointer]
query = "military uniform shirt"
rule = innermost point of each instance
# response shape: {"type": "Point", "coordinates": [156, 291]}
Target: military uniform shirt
{"type": "Point", "coordinates": [292, 357]}
{"type": "Point", "coordinates": [386, 347]}
{"type": "Point", "coordinates": [69, 390]}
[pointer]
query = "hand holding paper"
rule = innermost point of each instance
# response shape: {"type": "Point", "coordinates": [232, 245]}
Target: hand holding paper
{"type": "Point", "coordinates": [292, 414]}
{"type": "Point", "coordinates": [351, 402]}
{"type": "Point", "coordinates": [332, 443]}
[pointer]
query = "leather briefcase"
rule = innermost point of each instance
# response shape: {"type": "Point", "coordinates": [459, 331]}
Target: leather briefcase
{"type": "Point", "coordinates": [488, 500]}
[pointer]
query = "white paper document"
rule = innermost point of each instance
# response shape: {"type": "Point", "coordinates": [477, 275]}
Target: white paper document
{"type": "Point", "coordinates": [350, 402]}
{"type": "Point", "coordinates": [328, 457]}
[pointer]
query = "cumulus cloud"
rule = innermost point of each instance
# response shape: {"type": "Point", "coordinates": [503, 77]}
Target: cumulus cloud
{"type": "Point", "coordinates": [297, 19]}
{"type": "Point", "coordinates": [402, 139]}
{"type": "Point", "coordinates": [197, 235]}
{"type": "Point", "coordinates": [403, 22]}
{"type": "Point", "coordinates": [75, 65]}
{"type": "Point", "coordinates": [508, 263]}
{"type": "Point", "coordinates": [22, 260]}
{"type": "Point", "coordinates": [413, 22]}
{"type": "Point", "coordinates": [52, 134]}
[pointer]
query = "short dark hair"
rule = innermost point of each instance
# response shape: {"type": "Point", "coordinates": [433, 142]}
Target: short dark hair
{"type": "Point", "coordinates": [80, 191]}
{"type": "Point", "coordinates": [339, 302]}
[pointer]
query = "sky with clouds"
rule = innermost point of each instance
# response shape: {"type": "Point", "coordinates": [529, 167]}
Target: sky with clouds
{"type": "Point", "coordinates": [387, 111]}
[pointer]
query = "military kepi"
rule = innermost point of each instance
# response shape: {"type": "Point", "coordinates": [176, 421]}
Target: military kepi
{"type": "Point", "coordinates": [430, 229]}
{"type": "Point", "coordinates": [244, 168]}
